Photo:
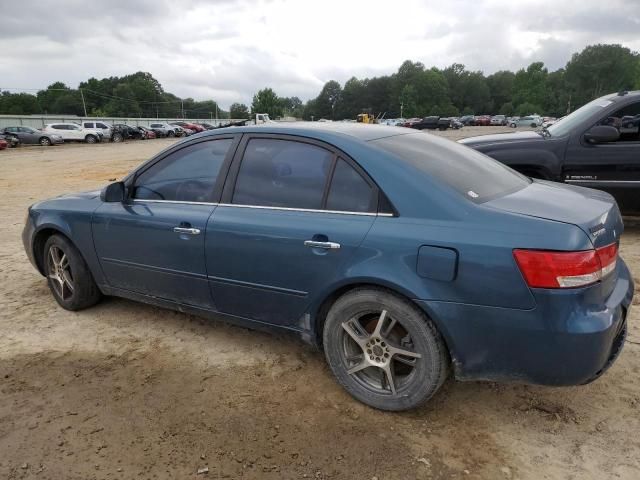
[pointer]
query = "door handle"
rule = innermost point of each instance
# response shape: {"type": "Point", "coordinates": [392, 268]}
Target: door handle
{"type": "Point", "coordinates": [326, 245]}
{"type": "Point", "coordinates": [186, 230]}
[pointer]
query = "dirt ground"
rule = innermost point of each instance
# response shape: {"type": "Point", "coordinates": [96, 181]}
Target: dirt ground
{"type": "Point", "coordinates": [129, 391]}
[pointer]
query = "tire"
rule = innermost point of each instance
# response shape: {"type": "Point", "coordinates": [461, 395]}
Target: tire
{"type": "Point", "coordinates": [45, 141]}
{"type": "Point", "coordinates": [353, 342]}
{"type": "Point", "coordinates": [534, 125]}
{"type": "Point", "coordinates": [90, 139]}
{"type": "Point", "coordinates": [117, 138]}
{"type": "Point", "coordinates": [70, 282]}
{"type": "Point", "coordinates": [171, 133]}
{"type": "Point", "coordinates": [513, 125]}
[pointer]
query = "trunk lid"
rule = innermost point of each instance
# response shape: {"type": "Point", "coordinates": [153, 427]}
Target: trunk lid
{"type": "Point", "coordinates": [594, 211]}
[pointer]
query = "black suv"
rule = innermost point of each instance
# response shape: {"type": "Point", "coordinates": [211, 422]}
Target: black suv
{"type": "Point", "coordinates": [596, 146]}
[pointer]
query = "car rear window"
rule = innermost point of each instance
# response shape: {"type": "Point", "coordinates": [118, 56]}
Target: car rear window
{"type": "Point", "coordinates": [474, 175]}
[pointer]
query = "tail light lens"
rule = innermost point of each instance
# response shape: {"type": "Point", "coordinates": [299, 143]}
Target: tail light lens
{"type": "Point", "coordinates": [551, 269]}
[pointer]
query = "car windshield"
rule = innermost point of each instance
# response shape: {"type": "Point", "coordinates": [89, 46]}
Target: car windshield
{"type": "Point", "coordinates": [472, 174]}
{"type": "Point", "coordinates": [566, 124]}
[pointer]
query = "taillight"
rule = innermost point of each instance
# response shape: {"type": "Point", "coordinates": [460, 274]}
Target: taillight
{"type": "Point", "coordinates": [551, 269]}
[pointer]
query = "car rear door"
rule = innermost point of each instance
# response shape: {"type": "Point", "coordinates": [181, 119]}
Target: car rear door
{"type": "Point", "coordinates": [613, 167]}
{"type": "Point", "coordinates": [293, 213]}
{"type": "Point", "coordinates": [153, 243]}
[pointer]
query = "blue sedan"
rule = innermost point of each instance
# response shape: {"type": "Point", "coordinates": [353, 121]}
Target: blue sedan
{"type": "Point", "coordinates": [403, 255]}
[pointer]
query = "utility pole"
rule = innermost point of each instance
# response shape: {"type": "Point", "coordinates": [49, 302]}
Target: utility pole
{"type": "Point", "coordinates": [216, 114]}
{"type": "Point", "coordinates": [401, 107]}
{"type": "Point", "coordinates": [182, 108]}
{"type": "Point", "coordinates": [84, 106]}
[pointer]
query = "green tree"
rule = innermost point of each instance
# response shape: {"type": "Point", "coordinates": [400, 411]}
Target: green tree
{"type": "Point", "coordinates": [239, 110]}
{"type": "Point", "coordinates": [266, 101]}
{"type": "Point", "coordinates": [123, 103]}
{"type": "Point", "coordinates": [291, 106]}
{"type": "Point", "coordinates": [530, 86]}
{"type": "Point", "coordinates": [528, 109]}
{"type": "Point", "coordinates": [601, 69]}
{"type": "Point", "coordinates": [18, 103]}
{"type": "Point", "coordinates": [500, 87]}
{"type": "Point", "coordinates": [327, 101]}
{"type": "Point", "coordinates": [507, 109]}
{"type": "Point", "coordinates": [408, 100]}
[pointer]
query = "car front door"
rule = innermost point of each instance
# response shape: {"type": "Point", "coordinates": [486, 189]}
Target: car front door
{"type": "Point", "coordinates": [613, 166]}
{"type": "Point", "coordinates": [28, 135]}
{"type": "Point", "coordinates": [292, 215]}
{"type": "Point", "coordinates": [74, 132]}
{"type": "Point", "coordinates": [153, 243]}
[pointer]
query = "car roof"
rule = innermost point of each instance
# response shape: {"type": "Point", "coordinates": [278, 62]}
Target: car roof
{"type": "Point", "coordinates": [312, 129]}
{"type": "Point", "coordinates": [622, 96]}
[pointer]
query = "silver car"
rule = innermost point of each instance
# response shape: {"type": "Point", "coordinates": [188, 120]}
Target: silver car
{"type": "Point", "coordinates": [31, 136]}
{"type": "Point", "coordinates": [532, 121]}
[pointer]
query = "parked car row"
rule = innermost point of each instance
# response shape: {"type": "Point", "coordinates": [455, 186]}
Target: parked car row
{"type": "Point", "coordinates": [92, 131]}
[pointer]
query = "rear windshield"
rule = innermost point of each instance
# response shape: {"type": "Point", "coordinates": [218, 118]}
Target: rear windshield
{"type": "Point", "coordinates": [474, 175]}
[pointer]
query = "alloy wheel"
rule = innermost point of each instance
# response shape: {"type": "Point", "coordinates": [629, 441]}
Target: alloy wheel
{"type": "Point", "coordinates": [379, 352]}
{"type": "Point", "coordinates": [60, 272]}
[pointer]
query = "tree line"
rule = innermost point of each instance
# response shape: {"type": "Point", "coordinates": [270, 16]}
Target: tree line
{"type": "Point", "coordinates": [136, 95]}
{"type": "Point", "coordinates": [413, 91]}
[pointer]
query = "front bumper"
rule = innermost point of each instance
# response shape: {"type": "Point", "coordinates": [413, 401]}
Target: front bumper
{"type": "Point", "coordinates": [570, 338]}
{"type": "Point", "coordinates": [27, 240]}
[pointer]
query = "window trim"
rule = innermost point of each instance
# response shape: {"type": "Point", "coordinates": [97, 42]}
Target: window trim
{"type": "Point", "coordinates": [234, 170]}
{"type": "Point", "coordinates": [130, 181]}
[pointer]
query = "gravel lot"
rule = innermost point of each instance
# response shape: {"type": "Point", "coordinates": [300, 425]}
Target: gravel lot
{"type": "Point", "coordinates": [125, 390]}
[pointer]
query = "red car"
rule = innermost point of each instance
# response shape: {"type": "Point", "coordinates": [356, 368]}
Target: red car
{"type": "Point", "coordinates": [191, 126]}
{"type": "Point", "coordinates": [3, 144]}
{"type": "Point", "coordinates": [147, 134]}
{"type": "Point", "coordinates": [483, 120]}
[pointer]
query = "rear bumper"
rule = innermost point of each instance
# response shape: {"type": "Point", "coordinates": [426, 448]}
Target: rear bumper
{"type": "Point", "coordinates": [569, 338]}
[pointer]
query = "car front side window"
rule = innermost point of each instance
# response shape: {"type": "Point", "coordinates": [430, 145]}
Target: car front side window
{"type": "Point", "coordinates": [282, 173]}
{"type": "Point", "coordinates": [627, 121]}
{"type": "Point", "coordinates": [187, 175]}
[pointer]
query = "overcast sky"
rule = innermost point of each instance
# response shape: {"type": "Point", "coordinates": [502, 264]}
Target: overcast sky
{"type": "Point", "coordinates": [228, 49]}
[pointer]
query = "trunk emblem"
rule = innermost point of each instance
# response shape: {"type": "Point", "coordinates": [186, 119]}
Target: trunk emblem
{"type": "Point", "coordinates": [598, 230]}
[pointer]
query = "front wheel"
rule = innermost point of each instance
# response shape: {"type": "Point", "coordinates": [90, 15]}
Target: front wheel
{"type": "Point", "coordinates": [383, 350]}
{"type": "Point", "coordinates": [45, 141]}
{"type": "Point", "coordinates": [90, 139]}
{"type": "Point", "coordinates": [117, 138]}
{"type": "Point", "coordinates": [171, 133]}
{"type": "Point", "coordinates": [68, 275]}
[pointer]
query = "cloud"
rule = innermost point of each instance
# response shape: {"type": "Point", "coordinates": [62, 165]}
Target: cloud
{"type": "Point", "coordinates": [229, 49]}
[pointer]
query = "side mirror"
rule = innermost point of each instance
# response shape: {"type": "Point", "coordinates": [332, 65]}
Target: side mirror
{"type": "Point", "coordinates": [602, 134]}
{"type": "Point", "coordinates": [114, 192]}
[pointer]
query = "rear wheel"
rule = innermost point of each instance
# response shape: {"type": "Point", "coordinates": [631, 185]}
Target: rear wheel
{"type": "Point", "coordinates": [171, 133]}
{"type": "Point", "coordinates": [534, 125]}
{"type": "Point", "coordinates": [383, 350]}
{"type": "Point", "coordinates": [117, 138]}
{"type": "Point", "coordinates": [90, 139]}
{"type": "Point", "coordinates": [45, 141]}
{"type": "Point", "coordinates": [68, 275]}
